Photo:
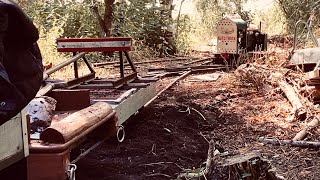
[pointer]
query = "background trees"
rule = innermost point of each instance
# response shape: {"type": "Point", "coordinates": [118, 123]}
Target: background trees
{"type": "Point", "coordinates": [294, 10]}
{"type": "Point", "coordinates": [150, 22]}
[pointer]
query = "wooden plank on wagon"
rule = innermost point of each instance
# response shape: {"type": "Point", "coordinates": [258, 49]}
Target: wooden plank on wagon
{"type": "Point", "coordinates": [96, 86]}
{"type": "Point", "coordinates": [135, 102]}
{"type": "Point", "coordinates": [146, 80]}
{"type": "Point", "coordinates": [136, 85]}
{"type": "Point", "coordinates": [12, 142]}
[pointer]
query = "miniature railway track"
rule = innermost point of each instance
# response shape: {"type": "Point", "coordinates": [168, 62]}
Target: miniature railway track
{"type": "Point", "coordinates": [88, 106]}
{"type": "Point", "coordinates": [183, 75]}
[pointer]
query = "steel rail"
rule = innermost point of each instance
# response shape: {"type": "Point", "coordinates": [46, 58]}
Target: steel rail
{"type": "Point", "coordinates": [184, 75]}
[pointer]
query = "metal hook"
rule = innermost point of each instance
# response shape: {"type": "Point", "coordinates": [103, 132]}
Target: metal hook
{"type": "Point", "coordinates": [120, 128]}
{"type": "Point", "coordinates": [72, 171]}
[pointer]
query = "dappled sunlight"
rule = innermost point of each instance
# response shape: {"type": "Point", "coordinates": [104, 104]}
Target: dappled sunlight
{"type": "Point", "coordinates": [256, 95]}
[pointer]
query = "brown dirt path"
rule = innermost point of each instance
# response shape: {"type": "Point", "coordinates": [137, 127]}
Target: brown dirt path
{"type": "Point", "coordinates": [161, 141]}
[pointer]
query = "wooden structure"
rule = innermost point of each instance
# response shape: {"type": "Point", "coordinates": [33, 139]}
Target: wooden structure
{"type": "Point", "coordinates": [13, 140]}
{"type": "Point", "coordinates": [119, 44]}
{"type": "Point", "coordinates": [87, 107]}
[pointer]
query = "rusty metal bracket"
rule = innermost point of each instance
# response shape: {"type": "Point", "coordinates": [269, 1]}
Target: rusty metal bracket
{"type": "Point", "coordinates": [133, 68]}
{"type": "Point", "coordinates": [120, 82]}
{"type": "Point", "coordinates": [78, 81]}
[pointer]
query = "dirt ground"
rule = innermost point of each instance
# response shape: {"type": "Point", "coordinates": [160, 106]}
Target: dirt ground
{"type": "Point", "coordinates": [165, 140]}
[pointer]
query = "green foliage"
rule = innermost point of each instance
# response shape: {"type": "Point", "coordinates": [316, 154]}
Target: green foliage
{"type": "Point", "coordinates": [144, 21]}
{"type": "Point", "coordinates": [76, 19]}
{"type": "Point", "coordinates": [198, 30]}
{"type": "Point", "coordinates": [294, 10]}
{"type": "Point", "coordinates": [273, 21]}
{"type": "Point", "coordinates": [185, 30]}
{"type": "Point", "coordinates": [211, 11]}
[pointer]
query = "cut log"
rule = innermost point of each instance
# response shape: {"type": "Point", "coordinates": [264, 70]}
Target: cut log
{"type": "Point", "coordinates": [298, 109]}
{"type": "Point", "coordinates": [303, 144]}
{"type": "Point", "coordinates": [74, 124]}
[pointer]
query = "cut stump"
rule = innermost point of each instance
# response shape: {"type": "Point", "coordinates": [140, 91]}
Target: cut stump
{"type": "Point", "coordinates": [246, 166]}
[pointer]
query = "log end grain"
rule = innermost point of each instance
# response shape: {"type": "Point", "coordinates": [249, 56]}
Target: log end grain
{"type": "Point", "coordinates": [52, 136]}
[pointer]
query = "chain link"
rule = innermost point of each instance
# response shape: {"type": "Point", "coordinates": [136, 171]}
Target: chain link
{"type": "Point", "coordinates": [72, 171]}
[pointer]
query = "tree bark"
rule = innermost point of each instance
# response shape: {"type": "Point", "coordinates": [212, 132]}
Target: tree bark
{"type": "Point", "coordinates": [282, 5]}
{"type": "Point", "coordinates": [105, 22]}
{"type": "Point", "coordinates": [108, 16]}
{"type": "Point", "coordinates": [76, 123]}
{"type": "Point", "coordinates": [99, 18]}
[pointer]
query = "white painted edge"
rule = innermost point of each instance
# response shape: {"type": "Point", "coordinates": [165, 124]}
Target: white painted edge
{"type": "Point", "coordinates": [25, 132]}
{"type": "Point", "coordinates": [61, 45]}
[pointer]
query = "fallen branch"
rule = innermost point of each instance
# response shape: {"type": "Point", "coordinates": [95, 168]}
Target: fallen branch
{"type": "Point", "coordinates": [298, 109]}
{"type": "Point", "coordinates": [303, 133]}
{"type": "Point", "coordinates": [259, 76]}
{"type": "Point", "coordinates": [302, 144]}
{"type": "Point", "coordinates": [193, 109]}
{"type": "Point", "coordinates": [203, 172]}
{"type": "Point", "coordinates": [204, 138]}
{"type": "Point", "coordinates": [199, 113]}
{"type": "Point", "coordinates": [157, 163]}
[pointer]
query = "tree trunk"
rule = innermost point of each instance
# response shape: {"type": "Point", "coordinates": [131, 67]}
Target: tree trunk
{"type": "Point", "coordinates": [100, 20]}
{"type": "Point", "coordinates": [178, 18]}
{"type": "Point", "coordinates": [108, 16]}
{"type": "Point", "coordinates": [105, 22]}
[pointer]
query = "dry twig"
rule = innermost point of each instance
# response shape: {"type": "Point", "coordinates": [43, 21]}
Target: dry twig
{"type": "Point", "coordinates": [203, 171]}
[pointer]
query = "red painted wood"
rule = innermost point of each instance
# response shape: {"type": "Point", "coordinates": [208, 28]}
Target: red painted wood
{"type": "Point", "coordinates": [102, 49]}
{"type": "Point", "coordinates": [94, 39]}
